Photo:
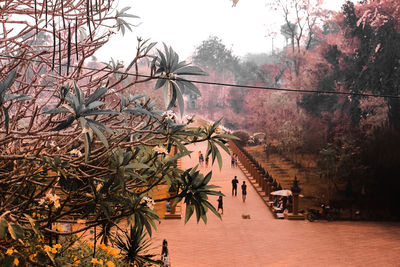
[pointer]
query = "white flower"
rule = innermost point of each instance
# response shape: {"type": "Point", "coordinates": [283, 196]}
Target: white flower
{"type": "Point", "coordinates": [190, 119]}
{"type": "Point", "coordinates": [218, 130]}
{"type": "Point", "coordinates": [160, 150]}
{"type": "Point", "coordinates": [149, 202]}
{"type": "Point", "coordinates": [57, 204]}
{"type": "Point", "coordinates": [76, 152]}
{"type": "Point", "coordinates": [50, 199]}
{"type": "Point", "coordinates": [169, 114]}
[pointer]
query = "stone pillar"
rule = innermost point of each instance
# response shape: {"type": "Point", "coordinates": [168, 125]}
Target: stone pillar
{"type": "Point", "coordinates": [253, 170]}
{"type": "Point", "coordinates": [269, 191]}
{"type": "Point", "coordinates": [295, 191]}
{"type": "Point", "coordinates": [260, 178]}
{"type": "Point", "coordinates": [173, 207]}
{"type": "Point", "coordinates": [267, 187]}
{"type": "Point", "coordinates": [295, 205]}
{"type": "Point", "coordinates": [295, 215]}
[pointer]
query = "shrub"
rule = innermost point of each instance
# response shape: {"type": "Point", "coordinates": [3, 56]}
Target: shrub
{"type": "Point", "coordinates": [243, 135]}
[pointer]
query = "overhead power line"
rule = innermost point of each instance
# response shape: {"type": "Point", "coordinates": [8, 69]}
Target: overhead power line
{"type": "Point", "coordinates": [214, 83]}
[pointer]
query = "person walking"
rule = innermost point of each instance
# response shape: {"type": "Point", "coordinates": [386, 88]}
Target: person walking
{"type": "Point", "coordinates": [201, 158]}
{"type": "Point", "coordinates": [244, 191]}
{"type": "Point", "coordinates": [207, 161]}
{"type": "Point", "coordinates": [234, 185]}
{"type": "Point", "coordinates": [220, 204]}
{"type": "Point", "coordinates": [165, 255]}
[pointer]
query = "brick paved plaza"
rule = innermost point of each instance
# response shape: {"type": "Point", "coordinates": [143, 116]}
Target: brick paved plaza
{"type": "Point", "coordinates": [265, 241]}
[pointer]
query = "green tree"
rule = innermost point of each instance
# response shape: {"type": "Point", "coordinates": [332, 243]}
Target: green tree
{"type": "Point", "coordinates": [214, 54]}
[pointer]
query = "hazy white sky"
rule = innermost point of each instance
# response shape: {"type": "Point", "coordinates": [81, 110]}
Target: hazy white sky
{"type": "Point", "coordinates": [184, 24]}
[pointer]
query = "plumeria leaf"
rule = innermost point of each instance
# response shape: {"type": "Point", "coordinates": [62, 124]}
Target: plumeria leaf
{"type": "Point", "coordinates": [6, 118]}
{"type": "Point", "coordinates": [8, 81]}
{"type": "Point", "coordinates": [96, 95]}
{"type": "Point", "coordinates": [57, 111]}
{"type": "Point", "coordinates": [160, 83]}
{"type": "Point", "coordinates": [99, 133]}
{"type": "Point", "coordinates": [100, 112]}
{"type": "Point", "coordinates": [138, 111]}
{"type": "Point", "coordinates": [64, 124]}
{"type": "Point", "coordinates": [190, 70]}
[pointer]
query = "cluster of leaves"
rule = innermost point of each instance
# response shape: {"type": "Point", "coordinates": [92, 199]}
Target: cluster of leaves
{"type": "Point", "coordinates": [169, 71]}
{"type": "Point", "coordinates": [9, 97]}
{"type": "Point", "coordinates": [104, 168]}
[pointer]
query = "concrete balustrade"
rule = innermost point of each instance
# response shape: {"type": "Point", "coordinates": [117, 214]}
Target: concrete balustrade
{"type": "Point", "coordinates": [250, 167]}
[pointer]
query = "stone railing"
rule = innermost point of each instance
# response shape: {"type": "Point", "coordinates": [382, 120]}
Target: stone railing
{"type": "Point", "coordinates": [254, 169]}
{"type": "Point", "coordinates": [262, 181]}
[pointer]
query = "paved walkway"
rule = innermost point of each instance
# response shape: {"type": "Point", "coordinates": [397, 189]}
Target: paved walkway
{"type": "Point", "coordinates": [265, 241]}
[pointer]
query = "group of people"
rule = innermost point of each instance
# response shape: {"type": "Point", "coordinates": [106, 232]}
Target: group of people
{"type": "Point", "coordinates": [282, 204]}
{"type": "Point", "coordinates": [235, 182]}
{"type": "Point", "coordinates": [201, 159]}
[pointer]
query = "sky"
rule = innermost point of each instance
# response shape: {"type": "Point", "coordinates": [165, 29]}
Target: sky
{"type": "Point", "coordinates": [184, 24]}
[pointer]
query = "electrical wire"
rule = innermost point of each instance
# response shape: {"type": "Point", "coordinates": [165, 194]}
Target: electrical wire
{"type": "Point", "coordinates": [214, 83]}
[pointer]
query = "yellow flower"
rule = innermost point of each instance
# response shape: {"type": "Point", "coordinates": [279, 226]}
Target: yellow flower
{"type": "Point", "coordinates": [54, 250]}
{"type": "Point", "coordinates": [10, 251]}
{"type": "Point", "coordinates": [16, 262]}
{"type": "Point", "coordinates": [32, 256]}
{"type": "Point", "coordinates": [102, 246]}
{"type": "Point", "coordinates": [57, 204]}
{"type": "Point", "coordinates": [38, 215]}
{"type": "Point", "coordinates": [57, 227]}
{"type": "Point", "coordinates": [96, 261]}
{"type": "Point", "coordinates": [114, 252]}
{"type": "Point", "coordinates": [47, 248]}
{"type": "Point", "coordinates": [110, 264]}
{"type": "Point", "coordinates": [57, 246]}
{"type": "Point", "coordinates": [34, 214]}
{"type": "Point", "coordinates": [160, 150]}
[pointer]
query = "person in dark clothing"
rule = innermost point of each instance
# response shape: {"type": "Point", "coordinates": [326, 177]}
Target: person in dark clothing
{"type": "Point", "coordinates": [164, 254]}
{"type": "Point", "coordinates": [234, 185]}
{"type": "Point", "coordinates": [220, 204]}
{"type": "Point", "coordinates": [244, 191]}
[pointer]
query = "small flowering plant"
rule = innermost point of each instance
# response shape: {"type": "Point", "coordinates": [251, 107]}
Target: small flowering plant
{"type": "Point", "coordinates": [81, 254]}
{"type": "Point", "coordinates": [160, 150]}
{"type": "Point", "coordinates": [50, 199]}
{"type": "Point", "coordinates": [148, 202]}
{"type": "Point", "coordinates": [189, 119]}
{"type": "Point", "coordinates": [170, 115]}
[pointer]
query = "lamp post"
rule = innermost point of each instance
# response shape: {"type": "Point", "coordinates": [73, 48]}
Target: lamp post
{"type": "Point", "coordinates": [295, 215]}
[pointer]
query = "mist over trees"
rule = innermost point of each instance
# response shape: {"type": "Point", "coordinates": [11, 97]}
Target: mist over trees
{"type": "Point", "coordinates": [354, 138]}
